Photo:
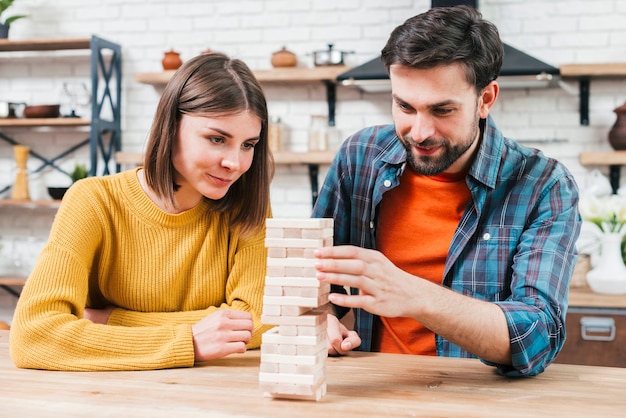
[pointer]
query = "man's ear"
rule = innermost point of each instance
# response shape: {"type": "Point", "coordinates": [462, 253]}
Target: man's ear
{"type": "Point", "coordinates": [487, 98]}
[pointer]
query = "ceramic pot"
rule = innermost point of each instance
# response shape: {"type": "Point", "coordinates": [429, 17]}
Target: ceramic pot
{"type": "Point", "coordinates": [609, 274]}
{"type": "Point", "coordinates": [4, 31]}
{"type": "Point", "coordinates": [284, 58]}
{"type": "Point", "coordinates": [617, 134]}
{"type": "Point", "coordinates": [171, 60]}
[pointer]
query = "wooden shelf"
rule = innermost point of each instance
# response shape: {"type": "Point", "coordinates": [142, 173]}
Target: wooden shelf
{"type": "Point", "coordinates": [46, 44]}
{"type": "Point", "coordinates": [584, 73]}
{"type": "Point", "coordinates": [12, 280]}
{"type": "Point", "coordinates": [296, 74]}
{"type": "Point", "coordinates": [603, 158]}
{"type": "Point", "coordinates": [31, 203]}
{"type": "Point", "coordinates": [615, 69]}
{"type": "Point", "coordinates": [282, 157]}
{"type": "Point", "coordinates": [34, 122]}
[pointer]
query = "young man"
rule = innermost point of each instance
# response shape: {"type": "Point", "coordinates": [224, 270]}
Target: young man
{"type": "Point", "coordinates": [453, 239]}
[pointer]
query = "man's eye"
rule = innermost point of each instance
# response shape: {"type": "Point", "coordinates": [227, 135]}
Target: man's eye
{"type": "Point", "coordinates": [443, 111]}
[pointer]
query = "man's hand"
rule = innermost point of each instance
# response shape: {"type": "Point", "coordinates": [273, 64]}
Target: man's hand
{"type": "Point", "coordinates": [340, 339]}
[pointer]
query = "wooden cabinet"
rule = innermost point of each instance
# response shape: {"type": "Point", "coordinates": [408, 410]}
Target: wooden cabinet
{"type": "Point", "coordinates": [596, 330]}
{"type": "Point", "coordinates": [105, 128]}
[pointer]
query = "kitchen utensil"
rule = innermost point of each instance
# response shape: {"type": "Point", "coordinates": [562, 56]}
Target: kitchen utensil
{"type": "Point", "coordinates": [330, 56]}
{"type": "Point", "coordinates": [42, 111]}
{"type": "Point", "coordinates": [284, 58]}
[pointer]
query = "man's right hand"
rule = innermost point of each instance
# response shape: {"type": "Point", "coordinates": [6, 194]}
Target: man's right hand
{"type": "Point", "coordinates": [340, 339]}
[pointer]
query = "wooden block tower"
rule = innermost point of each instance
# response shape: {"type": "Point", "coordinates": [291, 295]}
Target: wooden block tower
{"type": "Point", "coordinates": [293, 354]}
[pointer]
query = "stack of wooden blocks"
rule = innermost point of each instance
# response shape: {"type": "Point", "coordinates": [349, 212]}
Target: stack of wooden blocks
{"type": "Point", "coordinates": [293, 354]}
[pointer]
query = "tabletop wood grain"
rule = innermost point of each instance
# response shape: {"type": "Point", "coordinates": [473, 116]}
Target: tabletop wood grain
{"type": "Point", "coordinates": [359, 385]}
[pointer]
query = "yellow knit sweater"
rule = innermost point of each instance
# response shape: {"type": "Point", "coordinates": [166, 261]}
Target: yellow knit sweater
{"type": "Point", "coordinates": [110, 245]}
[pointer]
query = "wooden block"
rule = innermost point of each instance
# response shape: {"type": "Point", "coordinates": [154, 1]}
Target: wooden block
{"type": "Point", "coordinates": [305, 379]}
{"type": "Point", "coordinates": [296, 243]}
{"type": "Point", "coordinates": [295, 282]}
{"type": "Point", "coordinates": [288, 330]}
{"type": "Point", "coordinates": [295, 392]}
{"type": "Point", "coordinates": [311, 330]}
{"type": "Point", "coordinates": [274, 233]}
{"type": "Point", "coordinates": [300, 340]}
{"type": "Point", "coordinates": [275, 271]}
{"type": "Point", "coordinates": [312, 350]}
{"type": "Point", "coordinates": [300, 271]}
{"type": "Point", "coordinates": [311, 318]}
{"type": "Point", "coordinates": [277, 252]}
{"type": "Point", "coordinates": [317, 233]}
{"type": "Point", "coordinates": [302, 223]}
{"type": "Point", "coordinates": [268, 367]}
{"type": "Point", "coordinates": [273, 291]}
{"type": "Point", "coordinates": [296, 301]}
{"type": "Point", "coordinates": [294, 359]}
{"type": "Point", "coordinates": [292, 233]}
{"type": "Point", "coordinates": [305, 292]}
{"type": "Point", "coordinates": [291, 262]}
{"type": "Point", "coordinates": [271, 311]}
{"type": "Point", "coordinates": [293, 310]}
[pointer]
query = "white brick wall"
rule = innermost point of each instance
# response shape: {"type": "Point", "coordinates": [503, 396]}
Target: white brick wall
{"type": "Point", "coordinates": [557, 31]}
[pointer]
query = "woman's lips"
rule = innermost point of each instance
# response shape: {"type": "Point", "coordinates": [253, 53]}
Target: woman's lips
{"type": "Point", "coordinates": [220, 181]}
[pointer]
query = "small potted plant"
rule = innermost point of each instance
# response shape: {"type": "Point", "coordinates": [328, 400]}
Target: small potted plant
{"type": "Point", "coordinates": [5, 22]}
{"type": "Point", "coordinates": [80, 171]}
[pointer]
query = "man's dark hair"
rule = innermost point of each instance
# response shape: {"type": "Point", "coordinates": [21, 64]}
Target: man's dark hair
{"type": "Point", "coordinates": [448, 35]}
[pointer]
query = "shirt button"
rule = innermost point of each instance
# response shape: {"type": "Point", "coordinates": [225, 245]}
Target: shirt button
{"type": "Point", "coordinates": [371, 225]}
{"type": "Point", "coordinates": [487, 236]}
{"type": "Point", "coordinates": [387, 183]}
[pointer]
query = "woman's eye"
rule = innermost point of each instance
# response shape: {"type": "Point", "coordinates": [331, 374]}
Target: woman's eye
{"type": "Point", "coordinates": [249, 145]}
{"type": "Point", "coordinates": [216, 139]}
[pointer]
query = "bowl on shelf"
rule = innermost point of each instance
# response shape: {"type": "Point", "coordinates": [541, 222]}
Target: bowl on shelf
{"type": "Point", "coordinates": [42, 111]}
{"type": "Point", "coordinates": [57, 193]}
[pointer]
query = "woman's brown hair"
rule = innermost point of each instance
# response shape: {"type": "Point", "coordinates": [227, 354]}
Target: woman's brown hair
{"type": "Point", "coordinates": [213, 84]}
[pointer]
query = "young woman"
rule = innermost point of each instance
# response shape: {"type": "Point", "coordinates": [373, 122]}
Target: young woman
{"type": "Point", "coordinates": [161, 266]}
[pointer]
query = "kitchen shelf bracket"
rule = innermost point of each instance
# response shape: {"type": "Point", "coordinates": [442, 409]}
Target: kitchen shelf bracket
{"type": "Point", "coordinates": [583, 86]}
{"type": "Point", "coordinates": [107, 99]}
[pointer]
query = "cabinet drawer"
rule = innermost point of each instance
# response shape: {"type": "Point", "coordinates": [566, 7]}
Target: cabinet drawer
{"type": "Point", "coordinates": [595, 337]}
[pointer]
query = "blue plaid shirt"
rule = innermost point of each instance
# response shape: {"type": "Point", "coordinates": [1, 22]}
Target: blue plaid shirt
{"type": "Point", "coordinates": [514, 245]}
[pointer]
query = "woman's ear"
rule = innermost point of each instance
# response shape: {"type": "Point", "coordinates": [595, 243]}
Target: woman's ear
{"type": "Point", "coordinates": [487, 98]}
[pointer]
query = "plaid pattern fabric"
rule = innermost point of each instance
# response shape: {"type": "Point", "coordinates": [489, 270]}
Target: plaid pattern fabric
{"type": "Point", "coordinates": [514, 245]}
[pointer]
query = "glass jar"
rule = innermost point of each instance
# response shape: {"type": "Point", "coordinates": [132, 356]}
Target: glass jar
{"type": "Point", "coordinates": [318, 133]}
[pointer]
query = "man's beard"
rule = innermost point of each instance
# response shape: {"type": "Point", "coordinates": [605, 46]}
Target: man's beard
{"type": "Point", "coordinates": [428, 165]}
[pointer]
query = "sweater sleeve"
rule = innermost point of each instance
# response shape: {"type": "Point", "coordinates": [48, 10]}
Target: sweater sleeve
{"type": "Point", "coordinates": [48, 331]}
{"type": "Point", "coordinates": [244, 291]}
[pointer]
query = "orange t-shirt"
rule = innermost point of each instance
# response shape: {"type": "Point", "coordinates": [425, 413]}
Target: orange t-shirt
{"type": "Point", "coordinates": [417, 221]}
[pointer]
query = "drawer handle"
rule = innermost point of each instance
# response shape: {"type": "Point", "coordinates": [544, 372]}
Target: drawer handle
{"type": "Point", "coordinates": [597, 329]}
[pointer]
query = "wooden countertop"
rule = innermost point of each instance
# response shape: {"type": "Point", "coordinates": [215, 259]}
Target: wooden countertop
{"type": "Point", "coordinates": [583, 297]}
{"type": "Point", "coordinates": [359, 385]}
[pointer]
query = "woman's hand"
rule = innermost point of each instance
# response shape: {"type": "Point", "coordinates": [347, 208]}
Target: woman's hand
{"type": "Point", "coordinates": [222, 333]}
{"type": "Point", "coordinates": [98, 316]}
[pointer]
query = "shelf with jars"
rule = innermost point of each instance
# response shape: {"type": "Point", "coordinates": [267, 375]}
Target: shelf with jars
{"type": "Point", "coordinates": [104, 138]}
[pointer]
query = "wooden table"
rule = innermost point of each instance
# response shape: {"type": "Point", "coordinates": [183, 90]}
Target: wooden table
{"type": "Point", "coordinates": [359, 385]}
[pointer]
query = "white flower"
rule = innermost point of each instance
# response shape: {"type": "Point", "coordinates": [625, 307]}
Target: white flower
{"type": "Point", "coordinates": [608, 213]}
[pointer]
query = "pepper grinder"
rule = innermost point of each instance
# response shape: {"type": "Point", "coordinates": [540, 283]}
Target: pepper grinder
{"type": "Point", "coordinates": [20, 187]}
